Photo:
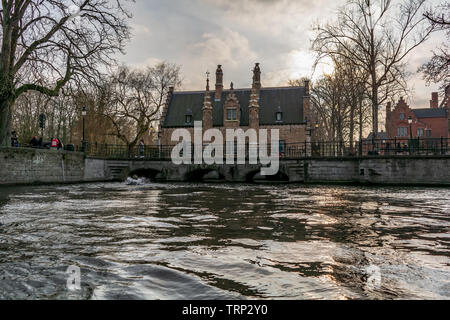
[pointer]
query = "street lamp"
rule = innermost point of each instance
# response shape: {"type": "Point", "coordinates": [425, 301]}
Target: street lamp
{"type": "Point", "coordinates": [83, 142]}
{"type": "Point", "coordinates": [410, 134]}
{"type": "Point", "coordinates": [410, 129]}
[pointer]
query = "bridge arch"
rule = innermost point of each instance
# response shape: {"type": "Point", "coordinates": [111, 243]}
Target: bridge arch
{"type": "Point", "coordinates": [255, 176]}
{"type": "Point", "coordinates": [150, 173]}
{"type": "Point", "coordinates": [201, 174]}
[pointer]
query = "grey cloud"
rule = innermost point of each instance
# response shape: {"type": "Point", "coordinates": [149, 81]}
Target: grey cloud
{"type": "Point", "coordinates": [199, 34]}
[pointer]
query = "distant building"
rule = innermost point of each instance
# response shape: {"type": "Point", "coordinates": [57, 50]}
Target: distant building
{"type": "Point", "coordinates": [433, 122]}
{"type": "Point", "coordinates": [284, 108]}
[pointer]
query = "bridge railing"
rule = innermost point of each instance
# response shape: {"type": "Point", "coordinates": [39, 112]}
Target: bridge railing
{"type": "Point", "coordinates": [373, 147]}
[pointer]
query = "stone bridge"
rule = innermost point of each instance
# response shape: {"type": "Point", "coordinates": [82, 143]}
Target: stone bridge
{"type": "Point", "coordinates": [29, 166]}
{"type": "Point", "coordinates": [161, 170]}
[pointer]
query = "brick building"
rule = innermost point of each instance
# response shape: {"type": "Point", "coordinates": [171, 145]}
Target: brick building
{"type": "Point", "coordinates": [433, 122]}
{"type": "Point", "coordinates": [284, 108]}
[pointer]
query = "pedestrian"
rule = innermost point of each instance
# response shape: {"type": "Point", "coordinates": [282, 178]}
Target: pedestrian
{"type": "Point", "coordinates": [53, 143]}
{"type": "Point", "coordinates": [14, 140]}
{"type": "Point", "coordinates": [405, 149]}
{"type": "Point", "coordinates": [141, 148]}
{"type": "Point", "coordinates": [60, 146]}
{"type": "Point", "coordinates": [40, 142]}
{"type": "Point", "coordinates": [34, 142]}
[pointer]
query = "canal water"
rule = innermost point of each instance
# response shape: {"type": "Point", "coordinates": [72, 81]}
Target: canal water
{"type": "Point", "coordinates": [224, 241]}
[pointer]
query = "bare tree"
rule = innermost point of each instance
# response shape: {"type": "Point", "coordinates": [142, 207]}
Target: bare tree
{"type": "Point", "coordinates": [376, 36]}
{"type": "Point", "coordinates": [54, 41]}
{"type": "Point", "coordinates": [137, 97]}
{"type": "Point", "coordinates": [437, 69]}
{"type": "Point", "coordinates": [339, 101]}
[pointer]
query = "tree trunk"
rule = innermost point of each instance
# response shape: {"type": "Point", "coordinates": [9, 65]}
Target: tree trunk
{"type": "Point", "coordinates": [352, 120]}
{"type": "Point", "coordinates": [374, 109]}
{"type": "Point", "coordinates": [5, 121]}
{"type": "Point", "coordinates": [360, 120]}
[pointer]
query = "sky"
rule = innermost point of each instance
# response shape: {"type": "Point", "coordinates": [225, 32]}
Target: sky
{"type": "Point", "coordinates": [200, 34]}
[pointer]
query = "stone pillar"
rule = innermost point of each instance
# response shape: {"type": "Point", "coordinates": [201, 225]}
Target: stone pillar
{"type": "Point", "coordinates": [256, 78]}
{"type": "Point", "coordinates": [219, 83]}
{"type": "Point", "coordinates": [207, 119]}
{"type": "Point", "coordinates": [253, 110]}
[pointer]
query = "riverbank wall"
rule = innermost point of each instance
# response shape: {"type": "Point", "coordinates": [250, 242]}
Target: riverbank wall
{"type": "Point", "coordinates": [394, 170]}
{"type": "Point", "coordinates": [40, 166]}
{"type": "Point", "coordinates": [37, 166]}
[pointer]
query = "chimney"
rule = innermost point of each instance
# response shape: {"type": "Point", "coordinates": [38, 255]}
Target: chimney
{"type": "Point", "coordinates": [256, 78]}
{"type": "Point", "coordinates": [219, 83]}
{"type": "Point", "coordinates": [306, 82]}
{"type": "Point", "coordinates": [434, 102]}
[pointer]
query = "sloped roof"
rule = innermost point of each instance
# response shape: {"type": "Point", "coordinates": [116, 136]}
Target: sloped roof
{"type": "Point", "coordinates": [430, 113]}
{"type": "Point", "coordinates": [289, 99]}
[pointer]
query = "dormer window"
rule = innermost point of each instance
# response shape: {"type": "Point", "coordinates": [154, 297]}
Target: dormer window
{"type": "Point", "coordinates": [279, 115]}
{"type": "Point", "coordinates": [188, 116]}
{"type": "Point", "coordinates": [402, 116]}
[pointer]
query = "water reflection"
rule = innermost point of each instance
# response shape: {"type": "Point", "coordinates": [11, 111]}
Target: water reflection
{"type": "Point", "coordinates": [219, 241]}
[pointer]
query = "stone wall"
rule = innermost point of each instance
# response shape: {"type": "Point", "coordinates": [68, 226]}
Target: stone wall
{"type": "Point", "coordinates": [95, 170]}
{"type": "Point", "coordinates": [381, 170]}
{"type": "Point", "coordinates": [21, 165]}
{"type": "Point", "coordinates": [345, 170]}
{"type": "Point", "coordinates": [399, 170]}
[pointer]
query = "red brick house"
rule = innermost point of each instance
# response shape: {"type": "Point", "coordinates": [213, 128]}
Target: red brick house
{"type": "Point", "coordinates": [430, 122]}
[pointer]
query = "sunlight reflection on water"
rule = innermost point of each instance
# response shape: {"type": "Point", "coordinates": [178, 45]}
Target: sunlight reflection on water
{"type": "Point", "coordinates": [211, 241]}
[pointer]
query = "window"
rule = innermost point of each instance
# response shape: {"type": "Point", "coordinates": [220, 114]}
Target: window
{"type": "Point", "coordinates": [402, 131]}
{"type": "Point", "coordinates": [402, 116]}
{"type": "Point", "coordinates": [188, 118]}
{"type": "Point", "coordinates": [231, 114]}
{"type": "Point", "coordinates": [282, 146]}
{"type": "Point", "coordinates": [420, 132]}
{"type": "Point", "coordinates": [428, 133]}
{"type": "Point", "coordinates": [279, 116]}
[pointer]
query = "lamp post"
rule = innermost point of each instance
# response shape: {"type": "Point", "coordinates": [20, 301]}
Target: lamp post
{"type": "Point", "coordinates": [159, 141]}
{"type": "Point", "coordinates": [410, 134]}
{"type": "Point", "coordinates": [410, 127]}
{"type": "Point", "coordinates": [313, 139]}
{"type": "Point", "coordinates": [83, 142]}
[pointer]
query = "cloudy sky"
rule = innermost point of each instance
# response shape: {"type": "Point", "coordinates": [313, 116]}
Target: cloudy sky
{"type": "Point", "coordinates": [199, 34]}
